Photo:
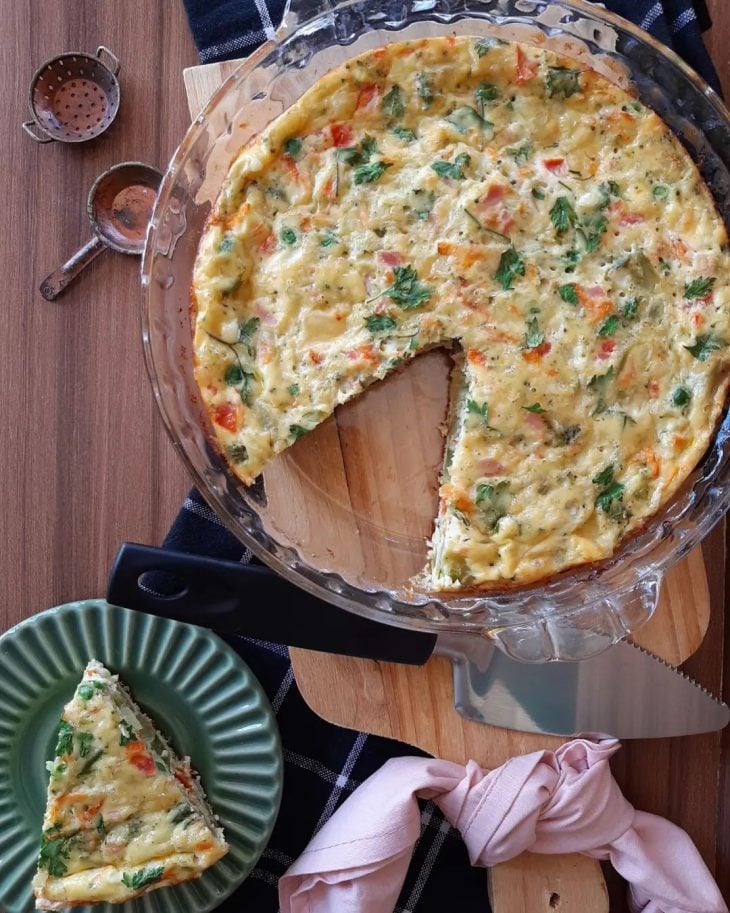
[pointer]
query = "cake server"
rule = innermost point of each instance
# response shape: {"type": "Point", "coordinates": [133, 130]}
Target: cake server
{"type": "Point", "coordinates": [624, 692]}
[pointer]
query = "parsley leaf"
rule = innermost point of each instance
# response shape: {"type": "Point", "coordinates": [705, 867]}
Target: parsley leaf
{"type": "Point", "coordinates": [297, 431]}
{"type": "Point", "coordinates": [607, 190]}
{"type": "Point", "coordinates": [65, 738]}
{"type": "Point", "coordinates": [534, 335]}
{"type": "Point", "coordinates": [367, 174]}
{"type": "Point", "coordinates": [247, 329]}
{"type": "Point", "coordinates": [484, 45]}
{"type": "Point", "coordinates": [404, 133]}
{"type": "Point", "coordinates": [630, 309]}
{"type": "Point", "coordinates": [568, 293]}
{"type": "Point", "coordinates": [535, 407]}
{"type": "Point", "coordinates": [605, 476]}
{"type": "Point", "coordinates": [226, 243]}
{"type": "Point", "coordinates": [699, 288]}
{"type": "Point", "coordinates": [53, 854]}
{"type": "Point", "coordinates": [609, 325]}
{"type": "Point", "coordinates": [85, 740]}
{"type": "Point", "coordinates": [143, 877]}
{"type": "Point", "coordinates": [493, 501]}
{"type": "Point", "coordinates": [126, 734]}
{"type": "Point", "coordinates": [233, 375]}
{"type": "Point", "coordinates": [425, 90]}
{"type": "Point", "coordinates": [521, 154]}
{"type": "Point", "coordinates": [452, 169]}
{"type": "Point", "coordinates": [90, 763]}
{"type": "Point", "coordinates": [592, 229]}
{"type": "Point", "coordinates": [293, 146]}
{"type": "Point", "coordinates": [660, 191]}
{"type": "Point", "coordinates": [407, 290]}
{"type": "Point", "coordinates": [610, 494]}
{"type": "Point", "coordinates": [538, 194]}
{"type": "Point", "coordinates": [562, 82]}
{"type": "Point", "coordinates": [293, 390]}
{"type": "Point", "coordinates": [380, 323]}
{"type": "Point", "coordinates": [607, 499]}
{"type": "Point", "coordinates": [562, 214]}
{"type": "Point", "coordinates": [705, 344]}
{"type": "Point", "coordinates": [511, 265]}
{"type": "Point", "coordinates": [473, 407]}
{"type": "Point", "coordinates": [101, 827]}
{"type": "Point", "coordinates": [681, 396]}
{"type": "Point", "coordinates": [425, 204]}
{"type": "Point", "coordinates": [485, 93]}
{"type": "Point", "coordinates": [466, 118]}
{"type": "Point", "coordinates": [288, 236]}
{"type": "Point", "coordinates": [392, 103]}
{"type": "Point", "coordinates": [237, 453]}
{"type": "Point", "coordinates": [328, 238]}
{"type": "Point", "coordinates": [181, 812]}
{"type": "Point", "coordinates": [599, 384]}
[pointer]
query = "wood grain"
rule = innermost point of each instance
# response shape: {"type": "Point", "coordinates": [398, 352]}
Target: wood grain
{"type": "Point", "coordinates": [85, 460]}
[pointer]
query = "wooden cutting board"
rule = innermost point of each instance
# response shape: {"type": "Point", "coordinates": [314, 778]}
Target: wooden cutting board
{"type": "Point", "coordinates": [415, 705]}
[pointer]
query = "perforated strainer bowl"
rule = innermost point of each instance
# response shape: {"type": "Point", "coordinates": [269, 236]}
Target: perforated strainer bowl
{"type": "Point", "coordinates": [73, 97]}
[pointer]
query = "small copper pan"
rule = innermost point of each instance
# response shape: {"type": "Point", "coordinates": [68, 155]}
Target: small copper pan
{"type": "Point", "coordinates": [119, 207]}
{"type": "Point", "coordinates": [73, 97]}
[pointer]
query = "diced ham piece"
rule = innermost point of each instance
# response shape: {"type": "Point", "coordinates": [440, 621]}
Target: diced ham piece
{"type": "Point", "coordinates": [390, 257]}
{"type": "Point", "coordinates": [342, 134]}
{"type": "Point", "coordinates": [491, 467]}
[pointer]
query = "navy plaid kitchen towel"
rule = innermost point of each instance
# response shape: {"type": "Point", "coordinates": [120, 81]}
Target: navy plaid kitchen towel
{"type": "Point", "coordinates": [323, 764]}
{"type": "Point", "coordinates": [226, 29]}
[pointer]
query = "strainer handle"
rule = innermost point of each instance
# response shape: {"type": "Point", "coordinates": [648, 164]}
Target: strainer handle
{"type": "Point", "coordinates": [53, 285]}
{"type": "Point", "coordinates": [114, 65]}
{"type": "Point", "coordinates": [35, 132]}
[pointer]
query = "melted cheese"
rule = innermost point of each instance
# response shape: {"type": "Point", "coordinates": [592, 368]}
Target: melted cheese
{"type": "Point", "coordinates": [495, 196]}
{"type": "Point", "coordinates": [124, 814]}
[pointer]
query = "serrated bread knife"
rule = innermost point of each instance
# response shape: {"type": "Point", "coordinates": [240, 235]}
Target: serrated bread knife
{"type": "Point", "coordinates": [624, 692]}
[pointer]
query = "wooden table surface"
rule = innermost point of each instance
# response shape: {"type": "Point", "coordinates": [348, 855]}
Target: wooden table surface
{"type": "Point", "coordinates": [85, 460]}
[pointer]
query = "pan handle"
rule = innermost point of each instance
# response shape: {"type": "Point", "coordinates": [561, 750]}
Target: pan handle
{"type": "Point", "coordinates": [253, 601]}
{"type": "Point", "coordinates": [114, 64]}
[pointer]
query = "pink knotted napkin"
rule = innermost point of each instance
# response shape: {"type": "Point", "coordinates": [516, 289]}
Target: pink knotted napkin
{"type": "Point", "coordinates": [546, 802]}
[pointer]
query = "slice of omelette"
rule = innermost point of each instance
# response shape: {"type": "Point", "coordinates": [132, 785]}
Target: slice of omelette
{"type": "Point", "coordinates": [124, 815]}
{"type": "Point", "coordinates": [512, 203]}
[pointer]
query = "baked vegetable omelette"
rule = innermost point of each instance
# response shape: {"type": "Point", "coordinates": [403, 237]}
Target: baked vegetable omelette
{"type": "Point", "coordinates": [510, 204]}
{"type": "Point", "coordinates": [124, 814]}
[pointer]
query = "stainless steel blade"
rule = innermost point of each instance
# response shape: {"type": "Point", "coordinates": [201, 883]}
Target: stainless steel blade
{"type": "Point", "coordinates": [624, 692]}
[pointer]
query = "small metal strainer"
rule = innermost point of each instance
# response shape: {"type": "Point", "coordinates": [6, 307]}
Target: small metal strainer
{"type": "Point", "coordinates": [73, 97]}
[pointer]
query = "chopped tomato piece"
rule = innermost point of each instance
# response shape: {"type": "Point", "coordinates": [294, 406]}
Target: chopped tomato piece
{"type": "Point", "coordinates": [526, 69]}
{"type": "Point", "coordinates": [315, 357]}
{"type": "Point", "coordinates": [556, 166]}
{"type": "Point", "coordinates": [536, 354]}
{"type": "Point", "coordinates": [365, 352]}
{"type": "Point", "coordinates": [652, 463]}
{"type": "Point", "coordinates": [495, 192]}
{"type": "Point", "coordinates": [475, 357]}
{"type": "Point", "coordinates": [608, 346]}
{"type": "Point", "coordinates": [182, 777]}
{"type": "Point", "coordinates": [225, 415]}
{"type": "Point", "coordinates": [365, 96]}
{"type": "Point", "coordinates": [87, 812]}
{"type": "Point", "coordinates": [444, 248]}
{"type": "Point", "coordinates": [139, 757]}
{"type": "Point", "coordinates": [342, 134]}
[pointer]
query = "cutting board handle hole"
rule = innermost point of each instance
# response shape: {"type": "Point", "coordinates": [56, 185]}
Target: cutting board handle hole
{"type": "Point", "coordinates": [554, 902]}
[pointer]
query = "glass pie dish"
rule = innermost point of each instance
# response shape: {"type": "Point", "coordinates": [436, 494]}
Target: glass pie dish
{"type": "Point", "coordinates": [346, 513]}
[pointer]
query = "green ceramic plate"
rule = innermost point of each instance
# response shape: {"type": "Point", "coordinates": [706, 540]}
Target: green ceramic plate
{"type": "Point", "coordinates": [199, 691]}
